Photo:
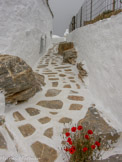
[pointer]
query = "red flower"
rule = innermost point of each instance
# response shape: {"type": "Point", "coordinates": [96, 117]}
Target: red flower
{"type": "Point", "coordinates": [79, 127]}
{"type": "Point", "coordinates": [67, 134]}
{"type": "Point", "coordinates": [85, 149]}
{"type": "Point", "coordinates": [70, 142]}
{"type": "Point", "coordinates": [73, 147]}
{"type": "Point", "coordinates": [69, 139]}
{"type": "Point", "coordinates": [90, 132]}
{"type": "Point", "coordinates": [93, 147]}
{"type": "Point", "coordinates": [73, 129]}
{"type": "Point", "coordinates": [86, 136]}
{"type": "Point", "coordinates": [71, 150]}
{"type": "Point", "coordinates": [97, 143]}
{"type": "Point", "coordinates": [66, 149]}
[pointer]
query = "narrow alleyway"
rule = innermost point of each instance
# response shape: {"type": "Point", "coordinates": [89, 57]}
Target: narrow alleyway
{"type": "Point", "coordinates": [35, 126]}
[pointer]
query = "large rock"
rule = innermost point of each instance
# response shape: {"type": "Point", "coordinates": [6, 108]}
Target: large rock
{"type": "Point", "coordinates": [65, 46]}
{"type": "Point", "coordinates": [17, 79]}
{"type": "Point", "coordinates": [94, 121]}
{"type": "Point", "coordinates": [69, 56]}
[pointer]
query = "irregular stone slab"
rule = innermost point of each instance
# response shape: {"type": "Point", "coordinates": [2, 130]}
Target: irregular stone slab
{"type": "Point", "coordinates": [53, 78]}
{"type": "Point", "coordinates": [78, 86]}
{"type": "Point", "coordinates": [62, 75]}
{"type": "Point", "coordinates": [82, 71]}
{"type": "Point", "coordinates": [54, 84]}
{"type": "Point", "coordinates": [76, 98]}
{"type": "Point", "coordinates": [44, 152]}
{"type": "Point", "coordinates": [49, 132]}
{"type": "Point", "coordinates": [67, 86]}
{"type": "Point", "coordinates": [32, 111]}
{"type": "Point", "coordinates": [53, 113]}
{"type": "Point", "coordinates": [75, 107]}
{"type": "Point", "coordinates": [69, 56]}
{"type": "Point", "coordinates": [52, 104]}
{"type": "Point", "coordinates": [2, 119]}
{"type": "Point", "coordinates": [52, 92]}
{"type": "Point", "coordinates": [18, 116]}
{"type": "Point", "coordinates": [67, 70]}
{"type": "Point", "coordinates": [65, 120]}
{"type": "Point", "coordinates": [41, 66]}
{"type": "Point", "coordinates": [71, 77]}
{"type": "Point", "coordinates": [94, 121]}
{"type": "Point", "coordinates": [3, 144]}
{"type": "Point", "coordinates": [65, 46]}
{"type": "Point", "coordinates": [73, 81]}
{"type": "Point", "coordinates": [73, 91]}
{"type": "Point", "coordinates": [63, 67]}
{"type": "Point", "coordinates": [49, 73]}
{"type": "Point", "coordinates": [44, 120]}
{"type": "Point", "coordinates": [27, 130]}
{"type": "Point", "coordinates": [17, 79]}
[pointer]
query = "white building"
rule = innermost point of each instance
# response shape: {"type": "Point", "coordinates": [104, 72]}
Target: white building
{"type": "Point", "coordinates": [25, 28]}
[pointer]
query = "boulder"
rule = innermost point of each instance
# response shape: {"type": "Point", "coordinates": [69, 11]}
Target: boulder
{"type": "Point", "coordinates": [69, 56]}
{"type": "Point", "coordinates": [63, 46]}
{"type": "Point", "coordinates": [93, 120]}
{"type": "Point", "coordinates": [17, 79]}
{"type": "Point", "coordinates": [82, 71]}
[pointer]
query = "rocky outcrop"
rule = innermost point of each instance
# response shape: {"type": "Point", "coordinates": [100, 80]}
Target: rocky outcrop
{"type": "Point", "coordinates": [63, 46]}
{"type": "Point", "coordinates": [17, 79]}
{"type": "Point", "coordinates": [94, 121]}
{"type": "Point", "coordinates": [82, 71]}
{"type": "Point", "coordinates": [69, 56]}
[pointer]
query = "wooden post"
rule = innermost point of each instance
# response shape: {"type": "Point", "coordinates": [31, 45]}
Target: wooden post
{"type": "Point", "coordinates": [114, 5]}
{"type": "Point", "coordinates": [91, 11]}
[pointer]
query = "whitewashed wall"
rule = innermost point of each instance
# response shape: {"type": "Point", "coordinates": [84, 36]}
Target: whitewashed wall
{"type": "Point", "coordinates": [100, 46]}
{"type": "Point", "coordinates": [25, 26]}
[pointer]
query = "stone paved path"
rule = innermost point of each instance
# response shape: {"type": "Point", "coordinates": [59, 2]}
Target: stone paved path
{"type": "Point", "coordinates": [33, 128]}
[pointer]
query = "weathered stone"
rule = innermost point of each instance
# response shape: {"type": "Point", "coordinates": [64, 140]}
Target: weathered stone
{"type": "Point", "coordinates": [94, 121]}
{"type": "Point", "coordinates": [67, 86]}
{"type": "Point", "coordinates": [49, 132]}
{"type": "Point", "coordinates": [3, 144]}
{"type": "Point", "coordinates": [69, 56]}
{"type": "Point", "coordinates": [2, 119]}
{"type": "Point", "coordinates": [73, 91]}
{"type": "Point", "coordinates": [62, 67]}
{"type": "Point", "coordinates": [54, 84]}
{"type": "Point", "coordinates": [65, 120]}
{"type": "Point", "coordinates": [52, 104]}
{"type": "Point", "coordinates": [71, 77]}
{"type": "Point", "coordinates": [64, 46]}
{"type": "Point", "coordinates": [53, 113]}
{"type": "Point", "coordinates": [10, 159]}
{"type": "Point", "coordinates": [62, 75]}
{"type": "Point", "coordinates": [40, 79]}
{"type": "Point", "coordinates": [52, 92]}
{"type": "Point", "coordinates": [17, 79]}
{"type": "Point", "coordinates": [67, 70]}
{"type": "Point", "coordinates": [53, 78]}
{"type": "Point", "coordinates": [76, 98]}
{"type": "Point", "coordinates": [43, 152]}
{"type": "Point", "coordinates": [26, 130]}
{"type": "Point", "coordinates": [113, 158]}
{"type": "Point", "coordinates": [18, 116]}
{"type": "Point", "coordinates": [75, 107]}
{"type": "Point", "coordinates": [44, 120]}
{"type": "Point", "coordinates": [82, 71]}
{"type": "Point", "coordinates": [41, 66]}
{"type": "Point", "coordinates": [73, 81]}
{"type": "Point", "coordinates": [32, 111]}
{"type": "Point", "coordinates": [78, 86]}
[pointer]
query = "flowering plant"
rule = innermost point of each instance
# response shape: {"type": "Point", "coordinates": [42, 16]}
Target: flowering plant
{"type": "Point", "coordinates": [81, 145]}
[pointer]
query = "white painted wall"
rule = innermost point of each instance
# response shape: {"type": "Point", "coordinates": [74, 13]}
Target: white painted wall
{"type": "Point", "coordinates": [22, 24]}
{"type": "Point", "coordinates": [100, 46]}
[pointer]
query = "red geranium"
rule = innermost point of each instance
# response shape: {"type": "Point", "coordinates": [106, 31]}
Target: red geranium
{"type": "Point", "coordinates": [73, 129]}
{"type": "Point", "coordinates": [86, 136]}
{"type": "Point", "coordinates": [67, 134]}
{"type": "Point", "coordinates": [97, 143]}
{"type": "Point", "coordinates": [71, 150]}
{"type": "Point", "coordinates": [79, 127]}
{"type": "Point", "coordinates": [69, 139]}
{"type": "Point", "coordinates": [73, 147]}
{"type": "Point", "coordinates": [93, 147]}
{"type": "Point", "coordinates": [90, 132]}
{"type": "Point", "coordinates": [85, 149]}
{"type": "Point", "coordinates": [66, 149]}
{"type": "Point", "coordinates": [70, 142]}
